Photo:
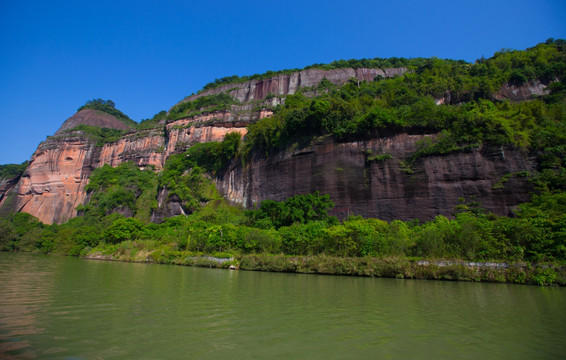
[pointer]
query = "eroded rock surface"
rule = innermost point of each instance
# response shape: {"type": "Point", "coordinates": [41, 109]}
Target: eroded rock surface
{"type": "Point", "coordinates": [383, 189]}
{"type": "Point", "coordinates": [92, 117]}
{"type": "Point", "coordinates": [53, 184]}
{"type": "Point", "coordinates": [289, 84]}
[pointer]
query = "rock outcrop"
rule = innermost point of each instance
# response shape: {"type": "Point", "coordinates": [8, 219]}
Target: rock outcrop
{"type": "Point", "coordinates": [143, 148]}
{"type": "Point", "coordinates": [92, 117]}
{"type": "Point", "coordinates": [53, 184]}
{"type": "Point", "coordinates": [386, 189]}
{"type": "Point", "coordinates": [527, 91]}
{"type": "Point", "coordinates": [283, 85]}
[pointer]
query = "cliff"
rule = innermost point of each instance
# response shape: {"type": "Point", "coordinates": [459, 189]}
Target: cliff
{"type": "Point", "coordinates": [282, 85]}
{"type": "Point", "coordinates": [53, 185]}
{"type": "Point", "coordinates": [384, 189]}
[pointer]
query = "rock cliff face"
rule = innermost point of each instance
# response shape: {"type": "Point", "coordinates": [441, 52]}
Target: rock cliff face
{"type": "Point", "coordinates": [383, 189]}
{"type": "Point", "coordinates": [289, 84]}
{"type": "Point", "coordinates": [143, 148]}
{"type": "Point", "coordinates": [7, 194]}
{"type": "Point", "coordinates": [527, 91]}
{"type": "Point", "coordinates": [521, 93]}
{"type": "Point", "coordinates": [53, 185]}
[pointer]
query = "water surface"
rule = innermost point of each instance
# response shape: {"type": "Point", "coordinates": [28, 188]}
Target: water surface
{"type": "Point", "coordinates": [68, 308]}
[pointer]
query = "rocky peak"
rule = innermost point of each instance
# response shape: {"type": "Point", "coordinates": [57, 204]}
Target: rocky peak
{"type": "Point", "coordinates": [92, 117]}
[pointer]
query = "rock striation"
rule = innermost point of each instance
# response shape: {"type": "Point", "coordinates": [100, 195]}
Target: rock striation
{"type": "Point", "coordinates": [386, 189]}
{"type": "Point", "coordinates": [53, 184]}
{"type": "Point", "coordinates": [92, 117]}
{"type": "Point", "coordinates": [144, 148]}
{"type": "Point", "coordinates": [283, 85]}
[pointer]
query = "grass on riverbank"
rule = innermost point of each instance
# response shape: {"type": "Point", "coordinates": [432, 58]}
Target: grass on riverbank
{"type": "Point", "coordinates": [385, 267]}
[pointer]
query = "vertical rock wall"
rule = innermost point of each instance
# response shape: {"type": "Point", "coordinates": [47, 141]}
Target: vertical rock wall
{"type": "Point", "coordinates": [382, 189]}
{"type": "Point", "coordinates": [53, 184]}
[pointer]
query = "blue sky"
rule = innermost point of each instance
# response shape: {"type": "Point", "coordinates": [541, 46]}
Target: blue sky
{"type": "Point", "coordinates": [147, 55]}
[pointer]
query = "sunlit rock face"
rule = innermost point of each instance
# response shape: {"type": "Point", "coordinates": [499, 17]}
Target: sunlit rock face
{"type": "Point", "coordinates": [53, 184]}
{"type": "Point", "coordinates": [289, 84]}
{"type": "Point", "coordinates": [384, 189]}
{"type": "Point", "coordinates": [91, 117]}
{"type": "Point", "coordinates": [183, 133]}
{"type": "Point", "coordinates": [523, 92]}
{"type": "Point", "coordinates": [142, 148]}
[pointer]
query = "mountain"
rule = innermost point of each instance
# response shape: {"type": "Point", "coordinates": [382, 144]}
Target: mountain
{"type": "Point", "coordinates": [411, 141]}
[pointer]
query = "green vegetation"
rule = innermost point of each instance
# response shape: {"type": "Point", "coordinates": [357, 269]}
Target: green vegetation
{"type": "Point", "coordinates": [452, 102]}
{"type": "Point", "coordinates": [209, 103]}
{"type": "Point", "coordinates": [299, 209]}
{"type": "Point", "coordinates": [377, 158]}
{"type": "Point", "coordinates": [184, 174]}
{"type": "Point", "coordinates": [10, 171]}
{"type": "Point", "coordinates": [297, 235]}
{"type": "Point", "coordinates": [108, 107]}
{"type": "Point", "coordinates": [152, 123]}
{"type": "Point", "coordinates": [124, 188]}
{"type": "Point", "coordinates": [470, 117]}
{"type": "Point", "coordinates": [100, 136]}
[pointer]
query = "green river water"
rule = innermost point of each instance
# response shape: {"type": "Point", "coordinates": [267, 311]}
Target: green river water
{"type": "Point", "coordinates": [66, 308]}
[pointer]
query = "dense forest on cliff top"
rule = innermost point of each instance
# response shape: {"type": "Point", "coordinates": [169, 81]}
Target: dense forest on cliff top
{"type": "Point", "coordinates": [457, 101]}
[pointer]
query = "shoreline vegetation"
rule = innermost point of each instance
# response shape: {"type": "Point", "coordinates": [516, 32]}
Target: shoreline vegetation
{"type": "Point", "coordinates": [387, 267]}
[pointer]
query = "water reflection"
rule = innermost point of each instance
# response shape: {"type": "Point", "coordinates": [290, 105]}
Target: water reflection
{"type": "Point", "coordinates": [62, 307]}
{"type": "Point", "coordinates": [25, 288]}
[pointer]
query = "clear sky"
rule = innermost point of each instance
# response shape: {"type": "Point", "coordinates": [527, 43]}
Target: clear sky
{"type": "Point", "coordinates": [147, 55]}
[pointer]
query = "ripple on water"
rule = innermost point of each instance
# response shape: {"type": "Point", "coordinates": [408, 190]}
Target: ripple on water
{"type": "Point", "coordinates": [54, 307]}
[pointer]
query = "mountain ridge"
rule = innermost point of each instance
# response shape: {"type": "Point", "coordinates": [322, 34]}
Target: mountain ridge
{"type": "Point", "coordinates": [54, 183]}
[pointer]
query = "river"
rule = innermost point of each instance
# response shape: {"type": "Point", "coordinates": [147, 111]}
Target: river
{"type": "Point", "coordinates": [67, 308]}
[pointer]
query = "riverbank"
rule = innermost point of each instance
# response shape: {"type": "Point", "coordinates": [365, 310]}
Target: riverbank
{"type": "Point", "coordinates": [387, 267]}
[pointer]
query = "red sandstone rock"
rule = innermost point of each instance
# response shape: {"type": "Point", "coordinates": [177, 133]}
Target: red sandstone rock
{"type": "Point", "coordinates": [92, 118]}
{"type": "Point", "coordinates": [53, 185]}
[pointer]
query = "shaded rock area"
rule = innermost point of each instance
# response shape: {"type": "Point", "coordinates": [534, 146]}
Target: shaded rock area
{"type": "Point", "coordinates": [168, 206]}
{"type": "Point", "coordinates": [6, 185]}
{"type": "Point", "coordinates": [386, 189]}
